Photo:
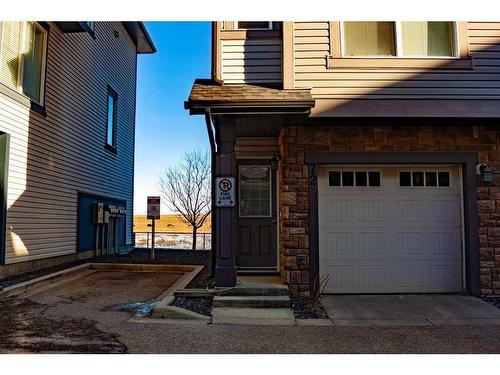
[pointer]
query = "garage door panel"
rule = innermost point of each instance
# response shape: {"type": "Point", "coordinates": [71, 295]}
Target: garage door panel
{"type": "Point", "coordinates": [390, 239]}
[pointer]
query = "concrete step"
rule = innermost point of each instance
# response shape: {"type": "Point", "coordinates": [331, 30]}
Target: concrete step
{"type": "Point", "coordinates": [252, 301]}
{"type": "Point", "coordinates": [249, 316]}
{"type": "Point", "coordinates": [255, 290]}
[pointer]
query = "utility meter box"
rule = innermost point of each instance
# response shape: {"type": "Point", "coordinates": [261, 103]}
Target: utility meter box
{"type": "Point", "coordinates": [113, 211]}
{"type": "Point", "coordinates": [98, 213]}
{"type": "Point", "coordinates": [106, 217]}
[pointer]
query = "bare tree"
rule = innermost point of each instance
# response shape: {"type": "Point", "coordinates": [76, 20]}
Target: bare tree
{"type": "Point", "coordinates": [186, 189]}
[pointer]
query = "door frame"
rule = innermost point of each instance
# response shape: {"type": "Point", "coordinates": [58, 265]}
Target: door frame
{"type": "Point", "coordinates": [467, 162]}
{"type": "Point", "coordinates": [4, 174]}
{"type": "Point", "coordinates": [259, 161]}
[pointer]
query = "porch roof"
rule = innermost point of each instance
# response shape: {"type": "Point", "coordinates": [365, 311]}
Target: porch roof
{"type": "Point", "coordinates": [249, 98]}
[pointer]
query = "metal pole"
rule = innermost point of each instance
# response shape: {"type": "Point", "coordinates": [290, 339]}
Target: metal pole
{"type": "Point", "coordinates": [153, 241]}
{"type": "Point", "coordinates": [147, 239]}
{"type": "Point", "coordinates": [102, 239]}
{"type": "Point", "coordinates": [96, 239]}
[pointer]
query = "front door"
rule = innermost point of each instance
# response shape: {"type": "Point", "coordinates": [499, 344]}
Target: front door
{"type": "Point", "coordinates": [257, 217]}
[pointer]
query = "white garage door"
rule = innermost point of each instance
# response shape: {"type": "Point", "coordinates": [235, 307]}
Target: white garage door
{"type": "Point", "coordinates": [390, 229]}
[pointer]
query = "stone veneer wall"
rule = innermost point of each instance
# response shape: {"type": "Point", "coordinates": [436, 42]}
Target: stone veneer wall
{"type": "Point", "coordinates": [294, 200]}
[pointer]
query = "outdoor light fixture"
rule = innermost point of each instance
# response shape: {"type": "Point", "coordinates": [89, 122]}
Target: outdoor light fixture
{"type": "Point", "coordinates": [274, 161]}
{"type": "Point", "coordinates": [486, 173]}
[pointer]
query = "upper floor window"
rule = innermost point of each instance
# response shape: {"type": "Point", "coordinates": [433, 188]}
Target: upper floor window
{"type": "Point", "coordinates": [22, 58]}
{"type": "Point", "coordinates": [400, 39]}
{"type": "Point", "coordinates": [111, 120]}
{"type": "Point", "coordinates": [254, 25]}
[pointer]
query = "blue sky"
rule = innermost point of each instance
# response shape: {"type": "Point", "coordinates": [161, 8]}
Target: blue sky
{"type": "Point", "coordinates": [164, 129]}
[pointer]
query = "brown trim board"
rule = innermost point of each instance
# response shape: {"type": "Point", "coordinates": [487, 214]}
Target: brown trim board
{"type": "Point", "coordinates": [466, 159]}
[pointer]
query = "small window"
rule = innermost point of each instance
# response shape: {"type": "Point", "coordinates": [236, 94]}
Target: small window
{"type": "Point", "coordinates": [430, 179]}
{"type": "Point", "coordinates": [444, 179]}
{"type": "Point", "coordinates": [347, 178]}
{"type": "Point", "coordinates": [418, 178]}
{"type": "Point", "coordinates": [361, 179]}
{"type": "Point", "coordinates": [111, 119]}
{"type": "Point", "coordinates": [255, 191]}
{"type": "Point", "coordinates": [427, 179]}
{"type": "Point", "coordinates": [22, 58]}
{"type": "Point", "coordinates": [254, 25]}
{"type": "Point", "coordinates": [369, 39]}
{"type": "Point", "coordinates": [427, 38]}
{"type": "Point", "coordinates": [399, 39]}
{"type": "Point", "coordinates": [374, 178]}
{"type": "Point", "coordinates": [404, 179]}
{"type": "Point", "coordinates": [351, 178]}
{"type": "Point", "coordinates": [334, 178]}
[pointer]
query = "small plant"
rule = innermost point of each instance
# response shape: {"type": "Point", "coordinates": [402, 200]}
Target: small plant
{"type": "Point", "coordinates": [319, 286]}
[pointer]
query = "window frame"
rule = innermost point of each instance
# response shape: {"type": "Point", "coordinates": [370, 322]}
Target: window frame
{"type": "Point", "coordinates": [270, 190]}
{"type": "Point", "coordinates": [354, 186]}
{"type": "Point", "coordinates": [424, 171]}
{"type": "Point", "coordinates": [236, 26]}
{"type": "Point", "coordinates": [38, 106]}
{"type": "Point", "coordinates": [111, 147]}
{"type": "Point", "coordinates": [398, 44]}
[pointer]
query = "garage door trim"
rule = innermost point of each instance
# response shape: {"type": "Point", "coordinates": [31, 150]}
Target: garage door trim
{"type": "Point", "coordinates": [466, 160]}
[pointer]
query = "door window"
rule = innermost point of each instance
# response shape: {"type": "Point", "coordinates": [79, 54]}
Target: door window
{"type": "Point", "coordinates": [255, 190]}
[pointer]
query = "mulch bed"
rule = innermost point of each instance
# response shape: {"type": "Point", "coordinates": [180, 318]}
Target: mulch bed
{"type": "Point", "coordinates": [200, 305]}
{"type": "Point", "coordinates": [303, 309]}
{"type": "Point", "coordinates": [162, 256]}
{"type": "Point", "coordinates": [495, 301]}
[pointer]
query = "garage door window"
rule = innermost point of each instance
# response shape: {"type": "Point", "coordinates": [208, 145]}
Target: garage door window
{"type": "Point", "coordinates": [354, 178]}
{"type": "Point", "coordinates": [424, 179]}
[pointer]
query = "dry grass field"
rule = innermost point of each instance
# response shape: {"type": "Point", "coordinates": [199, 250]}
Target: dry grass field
{"type": "Point", "coordinates": [167, 223]}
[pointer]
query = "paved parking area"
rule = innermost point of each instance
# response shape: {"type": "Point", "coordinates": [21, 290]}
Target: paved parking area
{"type": "Point", "coordinates": [410, 310]}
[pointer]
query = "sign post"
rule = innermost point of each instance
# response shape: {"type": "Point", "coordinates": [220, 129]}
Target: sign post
{"type": "Point", "coordinates": [153, 214]}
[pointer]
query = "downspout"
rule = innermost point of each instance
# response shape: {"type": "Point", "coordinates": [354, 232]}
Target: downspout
{"type": "Point", "coordinates": [213, 152]}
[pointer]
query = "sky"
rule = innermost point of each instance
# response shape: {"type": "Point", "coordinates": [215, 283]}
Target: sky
{"type": "Point", "coordinates": [164, 129]}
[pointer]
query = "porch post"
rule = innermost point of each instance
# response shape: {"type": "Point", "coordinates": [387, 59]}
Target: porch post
{"type": "Point", "coordinates": [225, 271]}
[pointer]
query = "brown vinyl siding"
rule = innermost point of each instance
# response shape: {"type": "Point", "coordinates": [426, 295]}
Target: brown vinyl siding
{"type": "Point", "coordinates": [52, 158]}
{"type": "Point", "coordinates": [312, 48]}
{"type": "Point", "coordinates": [251, 61]}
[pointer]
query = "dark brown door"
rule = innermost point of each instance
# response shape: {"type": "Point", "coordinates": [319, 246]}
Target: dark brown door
{"type": "Point", "coordinates": [257, 220]}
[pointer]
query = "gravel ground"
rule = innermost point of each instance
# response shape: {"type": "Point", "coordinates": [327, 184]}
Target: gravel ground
{"type": "Point", "coordinates": [303, 309]}
{"type": "Point", "coordinates": [200, 305]}
{"type": "Point", "coordinates": [24, 328]}
{"type": "Point", "coordinates": [163, 256]}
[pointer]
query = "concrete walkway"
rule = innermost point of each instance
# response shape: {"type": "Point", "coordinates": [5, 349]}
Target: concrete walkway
{"type": "Point", "coordinates": [410, 310]}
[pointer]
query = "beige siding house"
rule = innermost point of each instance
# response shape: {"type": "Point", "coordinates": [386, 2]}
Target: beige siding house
{"type": "Point", "coordinates": [67, 123]}
{"type": "Point", "coordinates": [364, 154]}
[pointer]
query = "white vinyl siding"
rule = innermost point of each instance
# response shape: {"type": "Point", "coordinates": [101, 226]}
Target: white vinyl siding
{"type": "Point", "coordinates": [54, 157]}
{"type": "Point", "coordinates": [22, 58]}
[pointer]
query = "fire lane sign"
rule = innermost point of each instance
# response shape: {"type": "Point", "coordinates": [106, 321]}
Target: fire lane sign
{"type": "Point", "coordinates": [225, 192]}
{"type": "Point", "coordinates": [154, 208]}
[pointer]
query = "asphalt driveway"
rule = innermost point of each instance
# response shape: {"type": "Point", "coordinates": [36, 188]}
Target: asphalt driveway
{"type": "Point", "coordinates": [410, 310]}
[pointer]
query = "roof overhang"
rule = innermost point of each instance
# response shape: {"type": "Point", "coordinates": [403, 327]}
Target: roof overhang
{"type": "Point", "coordinates": [136, 30]}
{"type": "Point", "coordinates": [246, 99]}
{"type": "Point", "coordinates": [140, 36]}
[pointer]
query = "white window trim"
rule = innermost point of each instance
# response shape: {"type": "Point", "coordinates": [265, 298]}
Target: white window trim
{"type": "Point", "coordinates": [424, 170]}
{"type": "Point", "coordinates": [236, 26]}
{"type": "Point", "coordinates": [20, 72]}
{"type": "Point", "coordinates": [399, 45]}
{"type": "Point", "coordinates": [354, 170]}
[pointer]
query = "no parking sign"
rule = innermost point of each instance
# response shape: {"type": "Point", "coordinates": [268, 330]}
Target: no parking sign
{"type": "Point", "coordinates": [224, 192]}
